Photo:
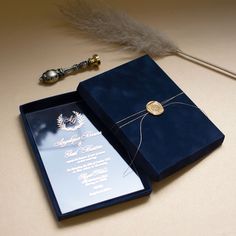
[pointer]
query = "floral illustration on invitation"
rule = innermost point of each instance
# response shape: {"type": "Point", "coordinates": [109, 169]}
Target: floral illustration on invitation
{"type": "Point", "coordinates": [72, 123]}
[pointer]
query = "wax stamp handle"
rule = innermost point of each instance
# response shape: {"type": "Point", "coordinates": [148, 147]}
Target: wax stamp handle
{"type": "Point", "coordinates": [53, 75]}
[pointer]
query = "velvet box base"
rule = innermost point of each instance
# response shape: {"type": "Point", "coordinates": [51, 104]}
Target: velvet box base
{"type": "Point", "coordinates": [64, 99]}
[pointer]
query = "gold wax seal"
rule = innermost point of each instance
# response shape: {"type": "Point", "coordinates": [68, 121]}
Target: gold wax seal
{"type": "Point", "coordinates": [155, 108]}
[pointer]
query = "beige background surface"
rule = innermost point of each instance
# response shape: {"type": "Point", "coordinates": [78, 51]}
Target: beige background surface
{"type": "Point", "coordinates": [201, 199]}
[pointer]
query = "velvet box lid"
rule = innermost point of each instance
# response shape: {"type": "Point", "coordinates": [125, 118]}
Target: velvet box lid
{"type": "Point", "coordinates": [160, 145]}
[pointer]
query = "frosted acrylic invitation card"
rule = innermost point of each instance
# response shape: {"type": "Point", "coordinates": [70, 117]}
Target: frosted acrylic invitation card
{"type": "Point", "coordinates": [82, 166]}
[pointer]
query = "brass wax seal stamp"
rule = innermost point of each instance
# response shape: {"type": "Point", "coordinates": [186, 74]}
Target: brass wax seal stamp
{"type": "Point", "coordinates": [53, 75]}
{"type": "Point", "coordinates": [155, 108]}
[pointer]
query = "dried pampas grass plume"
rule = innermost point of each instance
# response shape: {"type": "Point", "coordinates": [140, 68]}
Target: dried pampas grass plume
{"type": "Point", "coordinates": [112, 26]}
{"type": "Point", "coordinates": [109, 26]}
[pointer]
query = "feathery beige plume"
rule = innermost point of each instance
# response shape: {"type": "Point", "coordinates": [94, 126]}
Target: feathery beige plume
{"type": "Point", "coordinates": [112, 26]}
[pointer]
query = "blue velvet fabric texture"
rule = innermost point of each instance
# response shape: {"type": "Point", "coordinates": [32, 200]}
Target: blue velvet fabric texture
{"type": "Point", "coordinates": [181, 135]}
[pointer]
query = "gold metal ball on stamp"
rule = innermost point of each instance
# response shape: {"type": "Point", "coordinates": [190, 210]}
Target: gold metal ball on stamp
{"type": "Point", "coordinates": [155, 108]}
{"type": "Point", "coordinates": [94, 60]}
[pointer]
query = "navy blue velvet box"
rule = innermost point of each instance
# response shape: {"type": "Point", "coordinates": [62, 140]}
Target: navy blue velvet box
{"type": "Point", "coordinates": [155, 146]}
{"type": "Point", "coordinates": [181, 135]}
